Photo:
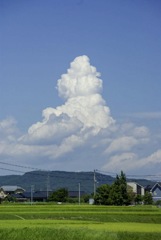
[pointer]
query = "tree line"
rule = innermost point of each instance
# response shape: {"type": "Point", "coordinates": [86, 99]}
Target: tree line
{"type": "Point", "coordinates": [119, 194]}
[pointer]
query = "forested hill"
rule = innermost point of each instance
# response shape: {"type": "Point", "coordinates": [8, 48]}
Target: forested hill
{"type": "Point", "coordinates": [42, 180]}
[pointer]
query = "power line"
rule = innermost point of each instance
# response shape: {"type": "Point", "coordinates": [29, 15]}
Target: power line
{"type": "Point", "coordinates": [6, 169]}
{"type": "Point", "coordinates": [44, 172]}
{"type": "Point", "coordinates": [16, 165]}
{"type": "Point", "coordinates": [97, 171]}
{"type": "Point", "coordinates": [130, 175]}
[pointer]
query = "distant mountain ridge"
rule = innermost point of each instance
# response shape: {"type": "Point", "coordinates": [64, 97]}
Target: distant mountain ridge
{"type": "Point", "coordinates": [50, 181]}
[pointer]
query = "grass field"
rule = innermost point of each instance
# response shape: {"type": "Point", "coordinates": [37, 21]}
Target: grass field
{"type": "Point", "coordinates": [74, 222]}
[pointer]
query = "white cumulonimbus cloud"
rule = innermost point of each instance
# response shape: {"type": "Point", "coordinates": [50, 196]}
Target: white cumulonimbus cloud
{"type": "Point", "coordinates": [81, 132]}
{"type": "Point", "coordinates": [81, 79]}
{"type": "Point", "coordinates": [84, 106]}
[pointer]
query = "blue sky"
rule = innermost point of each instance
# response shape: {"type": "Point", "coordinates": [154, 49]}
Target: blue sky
{"type": "Point", "coordinates": [122, 40]}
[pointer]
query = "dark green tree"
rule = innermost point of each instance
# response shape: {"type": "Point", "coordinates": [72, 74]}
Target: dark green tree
{"type": "Point", "coordinates": [102, 195]}
{"type": "Point", "coordinates": [119, 193]}
{"type": "Point", "coordinates": [116, 194]}
{"type": "Point", "coordinates": [123, 189]}
{"type": "Point", "coordinates": [148, 199]}
{"type": "Point", "coordinates": [86, 197]}
{"type": "Point", "coordinates": [61, 195]}
{"type": "Point", "coordinates": [138, 199]}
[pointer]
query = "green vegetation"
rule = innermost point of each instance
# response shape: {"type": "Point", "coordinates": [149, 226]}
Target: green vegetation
{"type": "Point", "coordinates": [81, 222]}
{"type": "Point", "coordinates": [119, 194]}
{"type": "Point", "coordinates": [61, 195]}
{"type": "Point", "coordinates": [50, 221]}
{"type": "Point", "coordinates": [116, 194]}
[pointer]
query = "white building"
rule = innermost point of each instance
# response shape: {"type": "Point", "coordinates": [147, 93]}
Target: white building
{"type": "Point", "coordinates": [137, 188]}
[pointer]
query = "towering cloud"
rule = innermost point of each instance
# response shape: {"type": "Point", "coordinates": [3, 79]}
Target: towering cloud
{"type": "Point", "coordinates": [84, 106]}
{"type": "Point", "coordinates": [81, 79]}
{"type": "Point", "coordinates": [81, 132]}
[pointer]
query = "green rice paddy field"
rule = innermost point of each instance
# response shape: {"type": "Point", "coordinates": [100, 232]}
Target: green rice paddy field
{"type": "Point", "coordinates": [79, 222]}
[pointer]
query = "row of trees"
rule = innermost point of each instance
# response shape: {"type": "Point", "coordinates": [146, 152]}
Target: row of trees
{"type": "Point", "coordinates": [119, 194]}
{"type": "Point", "coordinates": [61, 195]}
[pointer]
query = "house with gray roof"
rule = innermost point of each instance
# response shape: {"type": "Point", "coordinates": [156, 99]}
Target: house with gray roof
{"type": "Point", "coordinates": [12, 189]}
{"type": "Point", "coordinates": [155, 190]}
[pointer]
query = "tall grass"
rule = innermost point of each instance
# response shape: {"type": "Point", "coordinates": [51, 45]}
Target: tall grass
{"type": "Point", "coordinates": [93, 213]}
{"type": "Point", "coordinates": [73, 234]}
{"type": "Point", "coordinates": [68, 222]}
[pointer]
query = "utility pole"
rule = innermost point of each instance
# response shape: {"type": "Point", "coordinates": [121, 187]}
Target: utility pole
{"type": "Point", "coordinates": [32, 190]}
{"type": "Point", "coordinates": [79, 192]}
{"type": "Point", "coordinates": [94, 179]}
{"type": "Point", "coordinates": [47, 185]}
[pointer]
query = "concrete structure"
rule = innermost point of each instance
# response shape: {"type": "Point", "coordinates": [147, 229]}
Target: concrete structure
{"type": "Point", "coordinates": [136, 188]}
